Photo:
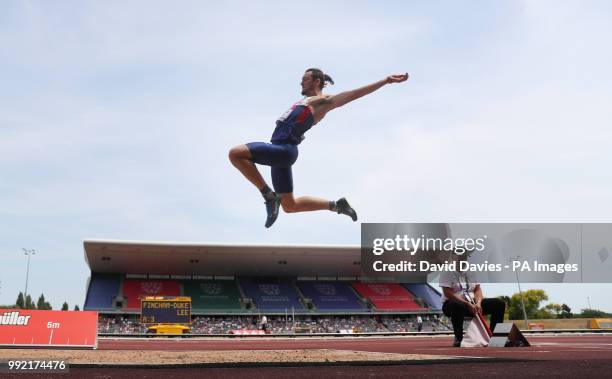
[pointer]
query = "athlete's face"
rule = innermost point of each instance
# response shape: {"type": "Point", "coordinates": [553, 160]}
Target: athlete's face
{"type": "Point", "coordinates": [309, 85]}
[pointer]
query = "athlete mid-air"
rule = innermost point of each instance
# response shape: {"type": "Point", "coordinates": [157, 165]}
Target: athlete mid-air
{"type": "Point", "coordinates": [282, 152]}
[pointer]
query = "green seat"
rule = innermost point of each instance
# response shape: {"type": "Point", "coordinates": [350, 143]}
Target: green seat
{"type": "Point", "coordinates": [212, 295]}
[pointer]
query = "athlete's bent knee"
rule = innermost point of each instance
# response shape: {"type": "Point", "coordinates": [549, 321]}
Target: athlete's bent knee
{"type": "Point", "coordinates": [236, 153]}
{"type": "Point", "coordinates": [289, 207]}
{"type": "Point", "coordinates": [232, 154]}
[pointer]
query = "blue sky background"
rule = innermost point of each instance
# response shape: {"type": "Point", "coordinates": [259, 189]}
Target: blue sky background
{"type": "Point", "coordinates": [116, 118]}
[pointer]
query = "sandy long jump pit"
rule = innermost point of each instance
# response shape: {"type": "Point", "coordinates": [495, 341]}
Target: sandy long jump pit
{"type": "Point", "coordinates": [225, 358]}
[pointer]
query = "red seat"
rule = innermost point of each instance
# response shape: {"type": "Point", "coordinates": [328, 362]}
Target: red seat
{"type": "Point", "coordinates": [135, 289]}
{"type": "Point", "coordinates": [388, 296]}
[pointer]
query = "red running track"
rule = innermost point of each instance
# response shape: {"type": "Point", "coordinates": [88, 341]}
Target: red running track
{"type": "Point", "coordinates": [549, 347]}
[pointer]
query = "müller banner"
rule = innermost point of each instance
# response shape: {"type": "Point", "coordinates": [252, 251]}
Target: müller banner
{"type": "Point", "coordinates": [488, 253]}
{"type": "Point", "coordinates": [32, 328]}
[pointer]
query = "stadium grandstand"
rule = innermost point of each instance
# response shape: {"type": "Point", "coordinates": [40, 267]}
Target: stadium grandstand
{"type": "Point", "coordinates": [312, 289]}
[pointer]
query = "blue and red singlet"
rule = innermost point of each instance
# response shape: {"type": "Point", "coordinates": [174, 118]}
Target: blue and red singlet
{"type": "Point", "coordinates": [291, 125]}
{"type": "Point", "coordinates": [282, 153]}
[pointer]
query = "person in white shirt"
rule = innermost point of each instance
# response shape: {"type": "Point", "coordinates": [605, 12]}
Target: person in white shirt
{"type": "Point", "coordinates": [462, 297]}
{"type": "Point", "coordinates": [419, 323]}
{"type": "Point", "coordinates": [264, 324]}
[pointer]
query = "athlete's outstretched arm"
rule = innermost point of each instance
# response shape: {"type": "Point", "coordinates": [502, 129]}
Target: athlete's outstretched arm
{"type": "Point", "coordinates": [335, 101]}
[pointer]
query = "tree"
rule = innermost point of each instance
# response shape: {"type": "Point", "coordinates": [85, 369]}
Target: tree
{"type": "Point", "coordinates": [65, 306]}
{"type": "Point", "coordinates": [76, 308]}
{"type": "Point", "coordinates": [532, 299]}
{"type": "Point", "coordinates": [40, 304]}
{"type": "Point", "coordinates": [20, 303]}
{"type": "Point", "coordinates": [566, 312]}
{"type": "Point", "coordinates": [551, 310]}
{"type": "Point", "coordinates": [593, 313]}
{"type": "Point", "coordinates": [28, 303]}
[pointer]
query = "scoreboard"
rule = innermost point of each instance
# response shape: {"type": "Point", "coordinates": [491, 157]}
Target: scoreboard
{"type": "Point", "coordinates": [166, 310]}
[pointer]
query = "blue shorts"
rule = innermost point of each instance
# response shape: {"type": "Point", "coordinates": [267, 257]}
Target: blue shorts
{"type": "Point", "coordinates": [278, 156]}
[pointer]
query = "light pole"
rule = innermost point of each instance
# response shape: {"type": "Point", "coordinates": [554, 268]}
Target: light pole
{"type": "Point", "coordinates": [28, 253]}
{"type": "Point", "coordinates": [589, 302]}
{"type": "Point", "coordinates": [521, 294]}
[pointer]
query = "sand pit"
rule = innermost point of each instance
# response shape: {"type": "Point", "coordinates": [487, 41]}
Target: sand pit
{"type": "Point", "coordinates": [263, 357]}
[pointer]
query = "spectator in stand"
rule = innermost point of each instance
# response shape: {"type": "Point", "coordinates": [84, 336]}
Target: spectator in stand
{"type": "Point", "coordinates": [323, 324]}
{"type": "Point", "coordinates": [264, 324]}
{"type": "Point", "coordinates": [419, 323]}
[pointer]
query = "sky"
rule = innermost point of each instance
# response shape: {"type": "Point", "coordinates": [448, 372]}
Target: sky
{"type": "Point", "coordinates": [116, 119]}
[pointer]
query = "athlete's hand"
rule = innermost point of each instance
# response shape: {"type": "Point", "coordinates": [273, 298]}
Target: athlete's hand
{"type": "Point", "coordinates": [474, 309]}
{"type": "Point", "coordinates": [397, 78]}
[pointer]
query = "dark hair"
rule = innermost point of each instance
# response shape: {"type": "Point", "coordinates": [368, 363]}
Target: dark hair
{"type": "Point", "coordinates": [323, 77]}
